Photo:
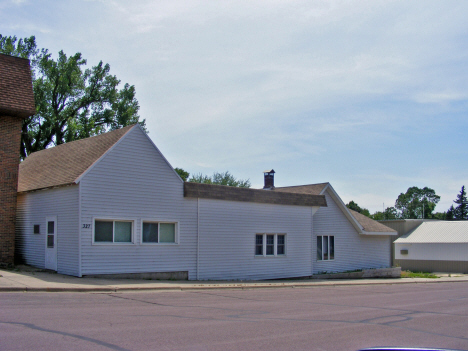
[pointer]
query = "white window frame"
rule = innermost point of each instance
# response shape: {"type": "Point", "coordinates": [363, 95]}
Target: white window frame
{"type": "Point", "coordinates": [176, 238]}
{"type": "Point", "coordinates": [107, 219]}
{"type": "Point", "coordinates": [275, 245]}
{"type": "Point", "coordinates": [328, 243]}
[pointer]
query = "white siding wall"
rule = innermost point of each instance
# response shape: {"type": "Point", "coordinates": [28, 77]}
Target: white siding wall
{"type": "Point", "coordinates": [227, 240]}
{"type": "Point", "coordinates": [134, 182]}
{"type": "Point", "coordinates": [33, 208]}
{"type": "Point", "coordinates": [352, 250]}
{"type": "Point", "coordinates": [433, 252]}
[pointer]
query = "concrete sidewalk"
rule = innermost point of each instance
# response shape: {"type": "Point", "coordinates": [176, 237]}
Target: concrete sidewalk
{"type": "Point", "coordinates": [44, 281]}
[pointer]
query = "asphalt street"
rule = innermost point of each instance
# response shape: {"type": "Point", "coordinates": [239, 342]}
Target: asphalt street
{"type": "Point", "coordinates": [309, 318]}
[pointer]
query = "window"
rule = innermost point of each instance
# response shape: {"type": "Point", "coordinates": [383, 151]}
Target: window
{"type": "Point", "coordinates": [110, 231]}
{"type": "Point", "coordinates": [37, 229]}
{"type": "Point", "coordinates": [159, 232]}
{"type": "Point", "coordinates": [270, 244]}
{"type": "Point", "coordinates": [325, 248]}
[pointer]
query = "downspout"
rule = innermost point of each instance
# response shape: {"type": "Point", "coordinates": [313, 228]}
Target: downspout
{"type": "Point", "coordinates": [79, 230]}
{"type": "Point", "coordinates": [198, 233]}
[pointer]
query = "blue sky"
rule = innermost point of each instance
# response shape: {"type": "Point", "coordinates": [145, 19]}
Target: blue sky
{"type": "Point", "coordinates": [371, 96]}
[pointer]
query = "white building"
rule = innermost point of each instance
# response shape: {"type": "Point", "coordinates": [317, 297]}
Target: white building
{"type": "Point", "coordinates": [112, 204]}
{"type": "Point", "coordinates": [435, 246]}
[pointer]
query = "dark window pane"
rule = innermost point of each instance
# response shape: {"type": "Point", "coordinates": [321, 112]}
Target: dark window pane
{"type": "Point", "coordinates": [259, 249]}
{"type": "Point", "coordinates": [103, 231]}
{"type": "Point", "coordinates": [270, 239]}
{"type": "Point", "coordinates": [51, 227]}
{"type": "Point", "coordinates": [269, 250]}
{"type": "Point", "coordinates": [280, 245]}
{"type": "Point", "coordinates": [259, 244]}
{"type": "Point", "coordinates": [325, 247]}
{"type": "Point", "coordinates": [280, 239]}
{"type": "Point", "coordinates": [150, 232]}
{"type": "Point", "coordinates": [332, 247]}
{"type": "Point", "coordinates": [37, 229]}
{"type": "Point", "coordinates": [319, 248]}
{"type": "Point", "coordinates": [50, 241]}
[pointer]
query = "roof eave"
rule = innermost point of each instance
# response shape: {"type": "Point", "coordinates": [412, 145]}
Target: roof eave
{"type": "Point", "coordinates": [47, 188]}
{"type": "Point", "coordinates": [377, 233]}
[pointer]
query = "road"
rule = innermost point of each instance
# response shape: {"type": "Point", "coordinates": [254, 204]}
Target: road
{"type": "Point", "coordinates": [319, 318]}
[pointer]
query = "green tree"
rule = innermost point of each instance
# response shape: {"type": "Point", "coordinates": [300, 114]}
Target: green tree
{"type": "Point", "coordinates": [450, 215]}
{"type": "Point", "coordinates": [183, 174]}
{"type": "Point", "coordinates": [355, 207]}
{"type": "Point", "coordinates": [72, 102]}
{"type": "Point", "coordinates": [220, 178]}
{"type": "Point", "coordinates": [461, 211]}
{"type": "Point", "coordinates": [389, 213]}
{"type": "Point", "coordinates": [415, 201]}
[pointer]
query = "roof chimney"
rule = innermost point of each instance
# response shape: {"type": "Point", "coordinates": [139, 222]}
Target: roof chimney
{"type": "Point", "coordinates": [269, 179]}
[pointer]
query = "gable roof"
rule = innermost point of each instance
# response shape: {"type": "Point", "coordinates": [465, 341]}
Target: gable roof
{"type": "Point", "coordinates": [363, 224]}
{"type": "Point", "coordinates": [230, 193]}
{"type": "Point", "coordinates": [64, 164]}
{"type": "Point", "coordinates": [16, 92]}
{"type": "Point", "coordinates": [437, 232]}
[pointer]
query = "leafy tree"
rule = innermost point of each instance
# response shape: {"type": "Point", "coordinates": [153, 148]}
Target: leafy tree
{"type": "Point", "coordinates": [71, 102]}
{"type": "Point", "coordinates": [389, 213]}
{"type": "Point", "coordinates": [183, 174]}
{"type": "Point", "coordinates": [220, 178]}
{"type": "Point", "coordinates": [355, 207]}
{"type": "Point", "coordinates": [461, 211]}
{"type": "Point", "coordinates": [412, 203]}
{"type": "Point", "coordinates": [442, 216]}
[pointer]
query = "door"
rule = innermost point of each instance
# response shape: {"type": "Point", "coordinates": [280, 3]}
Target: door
{"type": "Point", "coordinates": [51, 243]}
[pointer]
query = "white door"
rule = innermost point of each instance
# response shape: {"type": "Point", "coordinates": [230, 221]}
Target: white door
{"type": "Point", "coordinates": [51, 243]}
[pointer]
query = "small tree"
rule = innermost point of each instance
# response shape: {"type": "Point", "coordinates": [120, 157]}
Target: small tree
{"type": "Point", "coordinates": [461, 211]}
{"type": "Point", "coordinates": [183, 174]}
{"type": "Point", "coordinates": [355, 207]}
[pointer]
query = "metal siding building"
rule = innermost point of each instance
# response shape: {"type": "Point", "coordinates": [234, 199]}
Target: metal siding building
{"type": "Point", "coordinates": [436, 246]}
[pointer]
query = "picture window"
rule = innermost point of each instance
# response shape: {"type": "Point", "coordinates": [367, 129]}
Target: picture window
{"type": "Point", "coordinates": [111, 231]}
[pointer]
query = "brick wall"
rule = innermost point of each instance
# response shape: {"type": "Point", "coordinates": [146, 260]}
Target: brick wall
{"type": "Point", "coordinates": [10, 134]}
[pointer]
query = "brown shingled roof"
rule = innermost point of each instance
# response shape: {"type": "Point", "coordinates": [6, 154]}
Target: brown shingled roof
{"type": "Point", "coordinates": [369, 224]}
{"type": "Point", "coordinates": [16, 93]}
{"type": "Point", "coordinates": [223, 192]}
{"type": "Point", "coordinates": [64, 164]}
{"type": "Point", "coordinates": [312, 189]}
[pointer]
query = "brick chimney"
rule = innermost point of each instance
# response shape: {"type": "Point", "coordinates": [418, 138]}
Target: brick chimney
{"type": "Point", "coordinates": [269, 179]}
{"type": "Point", "coordinates": [16, 103]}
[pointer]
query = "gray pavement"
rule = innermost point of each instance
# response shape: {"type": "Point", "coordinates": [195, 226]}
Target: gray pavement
{"type": "Point", "coordinates": [44, 281]}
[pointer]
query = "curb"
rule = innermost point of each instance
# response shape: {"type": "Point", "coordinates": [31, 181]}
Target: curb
{"type": "Point", "coordinates": [218, 287]}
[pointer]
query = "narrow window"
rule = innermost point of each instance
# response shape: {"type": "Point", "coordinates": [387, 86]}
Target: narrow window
{"type": "Point", "coordinates": [280, 245]}
{"type": "Point", "coordinates": [259, 244]}
{"type": "Point", "coordinates": [331, 247]}
{"type": "Point", "coordinates": [270, 247]}
{"type": "Point", "coordinates": [37, 229]}
{"type": "Point", "coordinates": [325, 248]}
{"type": "Point", "coordinates": [319, 248]}
{"type": "Point", "coordinates": [50, 234]}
